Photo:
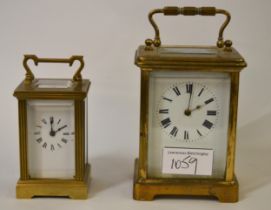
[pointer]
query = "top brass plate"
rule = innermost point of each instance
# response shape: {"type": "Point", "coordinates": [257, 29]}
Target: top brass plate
{"type": "Point", "coordinates": [189, 56]}
{"type": "Point", "coordinates": [53, 89]}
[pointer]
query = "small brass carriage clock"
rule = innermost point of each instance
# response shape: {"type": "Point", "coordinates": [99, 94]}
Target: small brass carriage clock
{"type": "Point", "coordinates": [53, 133]}
{"type": "Point", "coordinates": [188, 117]}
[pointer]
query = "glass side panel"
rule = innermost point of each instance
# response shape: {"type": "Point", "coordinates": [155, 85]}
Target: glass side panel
{"type": "Point", "coordinates": [86, 130]}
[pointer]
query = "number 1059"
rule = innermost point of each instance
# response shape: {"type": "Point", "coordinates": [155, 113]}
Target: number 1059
{"type": "Point", "coordinates": [185, 164]}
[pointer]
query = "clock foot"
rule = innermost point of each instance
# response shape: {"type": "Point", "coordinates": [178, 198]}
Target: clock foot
{"type": "Point", "coordinates": [54, 187]}
{"type": "Point", "coordinates": [148, 189]}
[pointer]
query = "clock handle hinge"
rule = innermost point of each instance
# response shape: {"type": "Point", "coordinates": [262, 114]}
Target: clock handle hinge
{"type": "Point", "coordinates": [29, 76]}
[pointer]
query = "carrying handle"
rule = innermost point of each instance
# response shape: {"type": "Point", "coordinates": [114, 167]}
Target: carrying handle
{"type": "Point", "coordinates": [189, 11]}
{"type": "Point", "coordinates": [29, 76]}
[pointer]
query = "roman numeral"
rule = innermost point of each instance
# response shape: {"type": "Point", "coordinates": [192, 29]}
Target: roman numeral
{"type": "Point", "coordinates": [59, 145]}
{"type": "Point", "coordinates": [64, 140]}
{"type": "Point", "coordinates": [39, 140]}
{"type": "Point", "coordinates": [174, 131]}
{"type": "Point", "coordinates": [189, 88]}
{"type": "Point", "coordinates": [186, 135]}
{"type": "Point", "coordinates": [52, 147]}
{"type": "Point", "coordinates": [176, 90]}
{"type": "Point", "coordinates": [200, 92]}
{"type": "Point", "coordinates": [44, 145]}
{"type": "Point", "coordinates": [211, 112]}
{"type": "Point", "coordinates": [163, 111]}
{"type": "Point", "coordinates": [167, 99]}
{"type": "Point", "coordinates": [207, 124]}
{"type": "Point", "coordinates": [209, 101]}
{"type": "Point", "coordinates": [37, 133]}
{"type": "Point", "coordinates": [66, 133]}
{"type": "Point", "coordinates": [44, 121]}
{"type": "Point", "coordinates": [72, 133]}
{"type": "Point", "coordinates": [166, 122]}
{"type": "Point", "coordinates": [199, 132]}
{"type": "Point", "coordinates": [38, 126]}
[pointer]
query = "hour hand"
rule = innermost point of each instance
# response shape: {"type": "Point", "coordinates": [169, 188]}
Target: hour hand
{"type": "Point", "coordinates": [197, 107]}
{"type": "Point", "coordinates": [188, 112]}
{"type": "Point", "coordinates": [59, 129]}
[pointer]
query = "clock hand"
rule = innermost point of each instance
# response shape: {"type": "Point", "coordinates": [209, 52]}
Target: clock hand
{"type": "Point", "coordinates": [189, 101]}
{"type": "Point", "coordinates": [197, 107]}
{"type": "Point", "coordinates": [188, 112]}
{"type": "Point", "coordinates": [51, 121]}
{"type": "Point", "coordinates": [202, 105]}
{"type": "Point", "coordinates": [59, 129]}
{"type": "Point", "coordinates": [189, 87]}
{"type": "Point", "coordinates": [52, 132]}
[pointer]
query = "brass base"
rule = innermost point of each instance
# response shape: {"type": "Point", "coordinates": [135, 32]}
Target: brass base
{"type": "Point", "coordinates": [54, 187]}
{"type": "Point", "coordinates": [147, 189]}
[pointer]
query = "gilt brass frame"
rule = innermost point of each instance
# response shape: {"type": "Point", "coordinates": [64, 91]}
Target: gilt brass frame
{"type": "Point", "coordinates": [76, 188]}
{"type": "Point", "coordinates": [227, 60]}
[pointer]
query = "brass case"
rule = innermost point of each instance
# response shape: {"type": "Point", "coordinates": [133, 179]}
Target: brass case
{"type": "Point", "coordinates": [224, 60]}
{"type": "Point", "coordinates": [76, 188]}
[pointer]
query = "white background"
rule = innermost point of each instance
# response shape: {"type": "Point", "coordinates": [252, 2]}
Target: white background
{"type": "Point", "coordinates": [107, 33]}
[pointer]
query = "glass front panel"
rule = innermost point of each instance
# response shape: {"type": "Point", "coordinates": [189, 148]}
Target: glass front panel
{"type": "Point", "coordinates": [51, 139]}
{"type": "Point", "coordinates": [188, 124]}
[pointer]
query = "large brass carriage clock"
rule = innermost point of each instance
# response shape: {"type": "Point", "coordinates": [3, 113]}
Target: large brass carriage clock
{"type": "Point", "coordinates": [189, 97]}
{"type": "Point", "coordinates": [53, 133]}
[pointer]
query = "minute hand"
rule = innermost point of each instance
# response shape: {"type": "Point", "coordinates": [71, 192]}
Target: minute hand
{"type": "Point", "coordinates": [190, 91]}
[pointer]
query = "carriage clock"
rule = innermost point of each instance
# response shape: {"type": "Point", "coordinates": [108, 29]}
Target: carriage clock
{"type": "Point", "coordinates": [53, 133]}
{"type": "Point", "coordinates": [188, 116]}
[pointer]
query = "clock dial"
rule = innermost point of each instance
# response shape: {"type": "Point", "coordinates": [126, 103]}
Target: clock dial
{"type": "Point", "coordinates": [53, 134]}
{"type": "Point", "coordinates": [188, 111]}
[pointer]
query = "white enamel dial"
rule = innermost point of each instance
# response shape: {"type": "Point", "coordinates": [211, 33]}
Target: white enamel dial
{"type": "Point", "coordinates": [188, 110]}
{"type": "Point", "coordinates": [51, 139]}
{"type": "Point", "coordinates": [52, 132]}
